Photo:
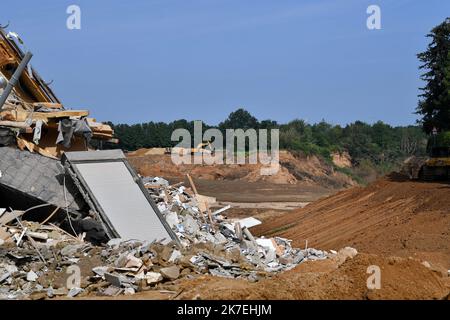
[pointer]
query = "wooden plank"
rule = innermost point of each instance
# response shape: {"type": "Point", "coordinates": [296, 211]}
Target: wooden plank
{"type": "Point", "coordinates": [14, 124]}
{"type": "Point", "coordinates": [60, 114]}
{"type": "Point", "coordinates": [113, 140]}
{"type": "Point", "coordinates": [30, 146]}
{"type": "Point", "coordinates": [4, 234]}
{"type": "Point", "coordinates": [49, 105]}
{"type": "Point", "coordinates": [192, 184]}
{"type": "Point", "coordinates": [9, 216]}
{"type": "Point", "coordinates": [102, 136]}
{"type": "Point", "coordinates": [48, 143]}
{"type": "Point", "coordinates": [22, 115]}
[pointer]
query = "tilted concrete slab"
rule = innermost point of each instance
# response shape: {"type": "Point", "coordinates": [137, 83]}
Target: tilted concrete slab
{"type": "Point", "coordinates": [118, 196]}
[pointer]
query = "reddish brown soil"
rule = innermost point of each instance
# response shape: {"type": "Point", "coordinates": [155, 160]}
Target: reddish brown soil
{"type": "Point", "coordinates": [400, 279]}
{"type": "Point", "coordinates": [294, 169]}
{"type": "Point", "coordinates": [392, 216]}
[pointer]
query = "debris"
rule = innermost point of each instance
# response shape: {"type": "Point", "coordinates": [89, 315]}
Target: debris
{"type": "Point", "coordinates": [38, 235]}
{"type": "Point", "coordinates": [267, 243]}
{"type": "Point", "coordinates": [32, 276]}
{"type": "Point", "coordinates": [129, 291]}
{"type": "Point", "coordinates": [112, 291]}
{"type": "Point", "coordinates": [170, 273]}
{"type": "Point", "coordinates": [172, 219]}
{"type": "Point", "coordinates": [175, 256]}
{"type": "Point", "coordinates": [129, 266]}
{"type": "Point", "coordinates": [4, 234]}
{"type": "Point", "coordinates": [217, 212]}
{"type": "Point", "coordinates": [153, 277]}
{"type": "Point", "coordinates": [190, 225]}
{"type": "Point", "coordinates": [114, 242]}
{"type": "Point", "coordinates": [74, 292]}
{"type": "Point", "coordinates": [249, 222]}
{"type": "Point", "coordinates": [70, 249]}
{"type": "Point", "coordinates": [113, 279]}
{"type": "Point", "coordinates": [133, 262]}
{"type": "Point", "coordinates": [100, 271]}
{"type": "Point", "coordinates": [9, 216]}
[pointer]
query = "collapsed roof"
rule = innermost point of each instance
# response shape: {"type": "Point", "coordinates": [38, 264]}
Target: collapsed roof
{"type": "Point", "coordinates": [33, 119]}
{"type": "Point", "coordinates": [33, 116]}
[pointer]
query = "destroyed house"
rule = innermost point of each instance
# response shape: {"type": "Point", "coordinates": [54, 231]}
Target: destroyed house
{"type": "Point", "coordinates": [36, 131]}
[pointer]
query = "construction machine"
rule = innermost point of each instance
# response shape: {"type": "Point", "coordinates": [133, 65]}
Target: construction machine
{"type": "Point", "coordinates": [436, 166]}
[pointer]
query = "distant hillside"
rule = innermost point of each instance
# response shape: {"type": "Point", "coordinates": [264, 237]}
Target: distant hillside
{"type": "Point", "coordinates": [374, 149]}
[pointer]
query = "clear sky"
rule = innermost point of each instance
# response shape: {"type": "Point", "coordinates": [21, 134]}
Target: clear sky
{"type": "Point", "coordinates": [161, 60]}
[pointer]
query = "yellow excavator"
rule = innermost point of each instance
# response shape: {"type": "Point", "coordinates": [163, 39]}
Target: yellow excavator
{"type": "Point", "coordinates": [434, 167]}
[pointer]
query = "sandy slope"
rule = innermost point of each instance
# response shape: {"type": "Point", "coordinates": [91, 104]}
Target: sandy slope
{"type": "Point", "coordinates": [392, 216]}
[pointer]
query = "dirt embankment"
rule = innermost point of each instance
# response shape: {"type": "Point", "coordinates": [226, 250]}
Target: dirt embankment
{"type": "Point", "coordinates": [294, 169]}
{"type": "Point", "coordinates": [393, 216]}
{"type": "Point", "coordinates": [327, 279]}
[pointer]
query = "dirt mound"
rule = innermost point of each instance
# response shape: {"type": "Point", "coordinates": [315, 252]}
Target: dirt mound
{"type": "Point", "coordinates": [392, 216]}
{"type": "Point", "coordinates": [400, 279]}
{"type": "Point", "coordinates": [342, 159]}
{"type": "Point", "coordinates": [294, 169]}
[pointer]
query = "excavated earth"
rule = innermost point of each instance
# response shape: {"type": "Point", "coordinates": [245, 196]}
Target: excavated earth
{"type": "Point", "coordinates": [294, 169]}
{"type": "Point", "coordinates": [392, 216]}
{"type": "Point", "coordinates": [401, 226]}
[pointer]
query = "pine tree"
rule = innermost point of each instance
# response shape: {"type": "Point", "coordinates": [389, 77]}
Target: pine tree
{"type": "Point", "coordinates": [434, 105]}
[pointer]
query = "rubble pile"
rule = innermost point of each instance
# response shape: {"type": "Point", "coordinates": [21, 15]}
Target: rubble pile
{"type": "Point", "coordinates": [36, 261]}
{"type": "Point", "coordinates": [182, 210]}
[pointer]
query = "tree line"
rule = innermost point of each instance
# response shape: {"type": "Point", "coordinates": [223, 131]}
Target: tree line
{"type": "Point", "coordinates": [378, 142]}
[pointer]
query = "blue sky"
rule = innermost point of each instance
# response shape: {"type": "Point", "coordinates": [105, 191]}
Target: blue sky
{"type": "Point", "coordinates": [161, 60]}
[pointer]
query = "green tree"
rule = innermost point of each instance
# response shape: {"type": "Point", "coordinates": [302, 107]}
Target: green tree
{"type": "Point", "coordinates": [434, 105]}
{"type": "Point", "coordinates": [240, 119]}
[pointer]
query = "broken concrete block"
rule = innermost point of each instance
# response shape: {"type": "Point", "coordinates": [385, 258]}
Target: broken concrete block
{"type": "Point", "coordinates": [165, 253]}
{"type": "Point", "coordinates": [220, 238]}
{"type": "Point", "coordinates": [112, 291]}
{"type": "Point", "coordinates": [347, 252]}
{"type": "Point", "coordinates": [249, 222]}
{"type": "Point", "coordinates": [172, 219]}
{"type": "Point", "coordinates": [70, 249]}
{"type": "Point", "coordinates": [122, 260]}
{"type": "Point", "coordinates": [153, 277]}
{"type": "Point", "coordinates": [270, 256]}
{"type": "Point", "coordinates": [133, 262]}
{"type": "Point", "coordinates": [299, 258]}
{"type": "Point", "coordinates": [32, 276]}
{"type": "Point", "coordinates": [129, 291]}
{"type": "Point", "coordinates": [100, 270]}
{"type": "Point", "coordinates": [190, 225]}
{"type": "Point", "coordinates": [114, 242]}
{"type": "Point", "coordinates": [286, 260]}
{"type": "Point", "coordinates": [74, 292]}
{"type": "Point", "coordinates": [176, 254]}
{"type": "Point", "coordinates": [170, 273]}
{"type": "Point", "coordinates": [266, 243]}
{"type": "Point", "coordinates": [113, 279]}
